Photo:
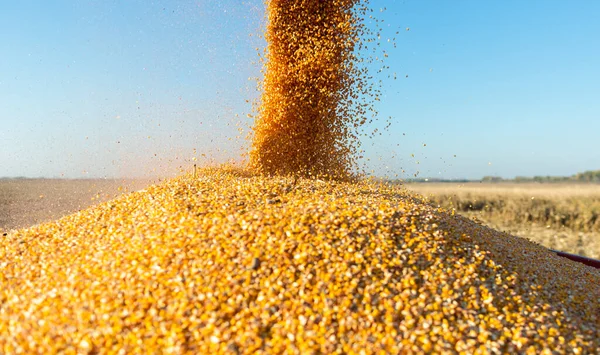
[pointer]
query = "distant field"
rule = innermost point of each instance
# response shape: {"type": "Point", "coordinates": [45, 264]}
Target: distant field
{"type": "Point", "coordinates": [26, 202]}
{"type": "Point", "coordinates": [559, 216]}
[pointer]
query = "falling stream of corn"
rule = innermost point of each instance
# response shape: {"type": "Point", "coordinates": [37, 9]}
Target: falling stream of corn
{"type": "Point", "coordinates": [272, 259]}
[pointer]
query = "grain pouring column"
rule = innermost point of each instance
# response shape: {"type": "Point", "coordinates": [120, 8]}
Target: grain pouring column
{"type": "Point", "coordinates": [307, 118]}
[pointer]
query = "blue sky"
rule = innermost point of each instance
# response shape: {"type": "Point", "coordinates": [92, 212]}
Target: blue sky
{"type": "Point", "coordinates": [94, 88]}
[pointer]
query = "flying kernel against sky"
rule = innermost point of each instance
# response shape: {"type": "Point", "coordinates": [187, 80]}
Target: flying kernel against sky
{"type": "Point", "coordinates": [93, 89]}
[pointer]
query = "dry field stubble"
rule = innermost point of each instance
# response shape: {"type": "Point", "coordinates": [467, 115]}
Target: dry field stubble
{"type": "Point", "coordinates": [564, 217]}
{"type": "Point", "coordinates": [26, 202]}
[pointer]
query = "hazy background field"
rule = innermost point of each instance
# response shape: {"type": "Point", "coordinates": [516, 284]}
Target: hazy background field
{"type": "Point", "coordinates": [26, 202]}
{"type": "Point", "coordinates": [561, 216]}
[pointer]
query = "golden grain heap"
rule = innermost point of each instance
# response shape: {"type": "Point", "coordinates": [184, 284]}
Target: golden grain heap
{"type": "Point", "coordinates": [237, 262]}
{"type": "Point", "coordinates": [311, 106]}
{"type": "Point", "coordinates": [231, 262]}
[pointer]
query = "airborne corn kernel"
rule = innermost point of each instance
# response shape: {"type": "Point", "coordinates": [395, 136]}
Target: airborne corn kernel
{"type": "Point", "coordinates": [311, 108]}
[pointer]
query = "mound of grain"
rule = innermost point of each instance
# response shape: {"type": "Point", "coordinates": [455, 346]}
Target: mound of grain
{"type": "Point", "coordinates": [236, 263]}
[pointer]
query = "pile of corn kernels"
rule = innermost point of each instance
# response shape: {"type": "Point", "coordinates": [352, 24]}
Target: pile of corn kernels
{"type": "Point", "coordinates": [231, 262]}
